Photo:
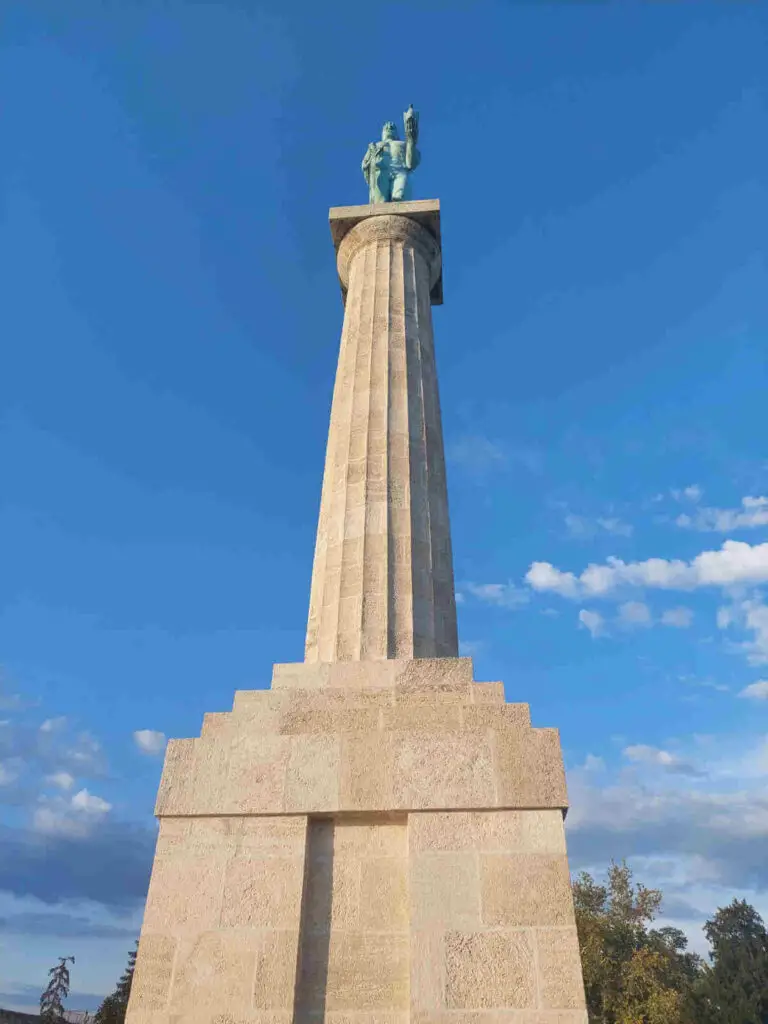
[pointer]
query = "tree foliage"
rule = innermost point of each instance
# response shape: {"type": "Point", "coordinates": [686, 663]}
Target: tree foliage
{"type": "Point", "coordinates": [57, 990]}
{"type": "Point", "coordinates": [114, 1006]}
{"type": "Point", "coordinates": [633, 974]}
{"type": "Point", "coordinates": [733, 989]}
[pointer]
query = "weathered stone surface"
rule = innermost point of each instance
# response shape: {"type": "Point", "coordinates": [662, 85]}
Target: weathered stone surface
{"type": "Point", "coordinates": [489, 969]}
{"type": "Point", "coordinates": [525, 890]}
{"type": "Point", "coordinates": [433, 770]}
{"type": "Point", "coordinates": [560, 982]}
{"type": "Point", "coordinates": [444, 891]}
{"type": "Point", "coordinates": [152, 978]}
{"type": "Point", "coordinates": [368, 971]}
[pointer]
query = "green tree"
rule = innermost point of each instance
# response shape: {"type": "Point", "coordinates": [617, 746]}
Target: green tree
{"type": "Point", "coordinates": [113, 1009]}
{"type": "Point", "coordinates": [734, 988]}
{"type": "Point", "coordinates": [57, 990]}
{"type": "Point", "coordinates": [632, 974]}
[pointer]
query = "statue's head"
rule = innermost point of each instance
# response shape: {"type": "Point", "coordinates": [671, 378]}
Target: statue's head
{"type": "Point", "coordinates": [389, 131]}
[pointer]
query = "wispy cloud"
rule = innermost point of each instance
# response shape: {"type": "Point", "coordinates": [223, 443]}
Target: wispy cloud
{"type": "Point", "coordinates": [482, 456]}
{"type": "Point", "coordinates": [750, 615]}
{"type": "Point", "coordinates": [752, 513]}
{"type": "Point", "coordinates": [586, 528]}
{"type": "Point", "coordinates": [655, 757]}
{"type": "Point", "coordinates": [592, 621]}
{"type": "Point", "coordinates": [679, 618]}
{"type": "Point", "coordinates": [503, 595]}
{"type": "Point", "coordinates": [692, 493]}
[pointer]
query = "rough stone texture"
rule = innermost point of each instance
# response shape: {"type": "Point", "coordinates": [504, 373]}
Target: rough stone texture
{"type": "Point", "coordinates": [382, 582]}
{"type": "Point", "coordinates": [375, 736]}
{"type": "Point", "coordinates": [376, 838]}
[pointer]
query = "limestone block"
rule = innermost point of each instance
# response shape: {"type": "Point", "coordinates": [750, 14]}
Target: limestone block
{"type": "Point", "coordinates": [152, 978]}
{"type": "Point", "coordinates": [274, 975]}
{"type": "Point", "coordinates": [383, 895]}
{"type": "Point", "coordinates": [560, 980]}
{"type": "Point", "coordinates": [415, 693]}
{"type": "Point", "coordinates": [433, 770]}
{"type": "Point", "coordinates": [490, 831]}
{"type": "Point", "coordinates": [312, 780]}
{"type": "Point", "coordinates": [524, 890]}
{"type": "Point", "coordinates": [529, 831]}
{"type": "Point", "coordinates": [444, 891]}
{"type": "Point", "coordinates": [367, 765]}
{"type": "Point", "coordinates": [422, 717]}
{"type": "Point", "coordinates": [488, 693]}
{"type": "Point", "coordinates": [368, 971]}
{"type": "Point", "coordinates": [258, 767]}
{"type": "Point", "coordinates": [194, 777]}
{"type": "Point", "coordinates": [376, 1017]}
{"type": "Point", "coordinates": [262, 892]}
{"type": "Point", "coordinates": [280, 836]}
{"type": "Point", "coordinates": [215, 724]}
{"type": "Point", "coordinates": [214, 970]}
{"type": "Point", "coordinates": [185, 892]}
{"type": "Point", "coordinates": [297, 721]}
{"type": "Point", "coordinates": [427, 955]}
{"type": "Point", "coordinates": [496, 716]}
{"type": "Point", "coordinates": [489, 969]}
{"type": "Point", "coordinates": [529, 768]}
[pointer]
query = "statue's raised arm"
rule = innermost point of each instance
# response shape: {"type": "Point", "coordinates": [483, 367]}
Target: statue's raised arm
{"type": "Point", "coordinates": [411, 125]}
{"type": "Point", "coordinates": [387, 164]}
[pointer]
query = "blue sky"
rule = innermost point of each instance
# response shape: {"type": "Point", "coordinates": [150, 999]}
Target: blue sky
{"type": "Point", "coordinates": [170, 322]}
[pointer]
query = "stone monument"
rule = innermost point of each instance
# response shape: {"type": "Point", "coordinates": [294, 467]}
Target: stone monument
{"type": "Point", "coordinates": [376, 838]}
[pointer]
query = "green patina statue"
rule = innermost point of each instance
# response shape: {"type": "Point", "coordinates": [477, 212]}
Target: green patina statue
{"type": "Point", "coordinates": [387, 165]}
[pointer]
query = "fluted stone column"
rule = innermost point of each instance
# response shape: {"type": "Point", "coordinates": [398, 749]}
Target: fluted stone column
{"type": "Point", "coordinates": [382, 581]}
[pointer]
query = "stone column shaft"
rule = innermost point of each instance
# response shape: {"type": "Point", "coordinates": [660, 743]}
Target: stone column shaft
{"type": "Point", "coordinates": [382, 581]}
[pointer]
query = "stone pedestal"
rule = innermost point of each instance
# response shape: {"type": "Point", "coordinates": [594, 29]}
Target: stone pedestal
{"type": "Point", "coordinates": [377, 838]}
{"type": "Point", "coordinates": [377, 843]}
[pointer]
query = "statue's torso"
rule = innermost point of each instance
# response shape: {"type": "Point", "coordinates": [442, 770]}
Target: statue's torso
{"type": "Point", "coordinates": [392, 155]}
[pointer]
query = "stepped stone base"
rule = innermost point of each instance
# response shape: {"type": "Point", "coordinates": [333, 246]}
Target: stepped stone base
{"type": "Point", "coordinates": [364, 843]}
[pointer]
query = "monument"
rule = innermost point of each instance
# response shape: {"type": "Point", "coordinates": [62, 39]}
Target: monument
{"type": "Point", "coordinates": [376, 838]}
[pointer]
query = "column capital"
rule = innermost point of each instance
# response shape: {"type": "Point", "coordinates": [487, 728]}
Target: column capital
{"type": "Point", "coordinates": [352, 227]}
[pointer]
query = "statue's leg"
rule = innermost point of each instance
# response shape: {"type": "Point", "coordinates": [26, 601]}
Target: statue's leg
{"type": "Point", "coordinates": [400, 186]}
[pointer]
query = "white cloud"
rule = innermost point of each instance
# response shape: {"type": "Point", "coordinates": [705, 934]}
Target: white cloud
{"type": "Point", "coordinates": [52, 724]}
{"type": "Point", "coordinates": [634, 613]}
{"type": "Point", "coordinates": [149, 741]}
{"type": "Point", "coordinates": [679, 618]}
{"type": "Point", "coordinates": [640, 753]}
{"type": "Point", "coordinates": [544, 576]}
{"type": "Point", "coordinates": [74, 818]}
{"type": "Point", "coordinates": [593, 621]}
{"type": "Point", "coordinates": [753, 513]}
{"type": "Point", "coordinates": [735, 563]}
{"type": "Point", "coordinates": [62, 780]}
{"type": "Point", "coordinates": [756, 691]}
{"type": "Point", "coordinates": [90, 804]}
